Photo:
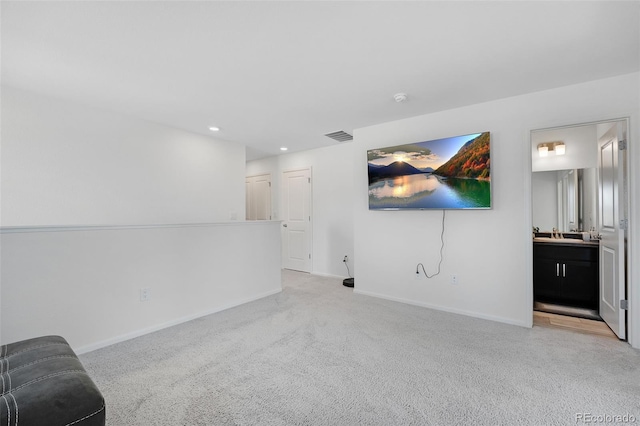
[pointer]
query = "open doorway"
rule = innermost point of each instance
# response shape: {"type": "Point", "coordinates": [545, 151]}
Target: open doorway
{"type": "Point", "coordinates": [579, 210]}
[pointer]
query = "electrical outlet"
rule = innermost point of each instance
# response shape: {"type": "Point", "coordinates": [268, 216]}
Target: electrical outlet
{"type": "Point", "coordinates": [145, 294]}
{"type": "Point", "coordinates": [417, 275]}
{"type": "Point", "coordinates": [454, 279]}
{"type": "Point", "coordinates": [346, 258]}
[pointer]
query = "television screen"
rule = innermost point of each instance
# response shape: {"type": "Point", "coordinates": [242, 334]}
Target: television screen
{"type": "Point", "coordinates": [449, 173]}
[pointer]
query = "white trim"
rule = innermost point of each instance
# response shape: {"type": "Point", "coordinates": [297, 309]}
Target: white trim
{"type": "Point", "coordinates": [528, 214]}
{"type": "Point", "coordinates": [296, 169]}
{"type": "Point", "coordinates": [260, 174]}
{"type": "Point", "coordinates": [633, 245]}
{"type": "Point", "coordinates": [443, 308]}
{"type": "Point", "coordinates": [142, 332]}
{"type": "Point", "coordinates": [69, 228]}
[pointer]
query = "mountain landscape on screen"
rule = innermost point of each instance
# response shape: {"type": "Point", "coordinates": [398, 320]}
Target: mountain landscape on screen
{"type": "Point", "coordinates": [448, 173]}
{"type": "Point", "coordinates": [397, 168]}
{"type": "Point", "coordinates": [471, 161]}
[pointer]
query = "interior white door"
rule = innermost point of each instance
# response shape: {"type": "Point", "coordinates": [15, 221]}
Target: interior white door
{"type": "Point", "coordinates": [262, 197]}
{"type": "Point", "coordinates": [258, 197]}
{"type": "Point", "coordinates": [611, 181]}
{"type": "Point", "coordinates": [296, 220]}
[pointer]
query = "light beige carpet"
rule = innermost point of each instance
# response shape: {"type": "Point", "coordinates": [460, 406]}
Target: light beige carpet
{"type": "Point", "coordinates": [318, 354]}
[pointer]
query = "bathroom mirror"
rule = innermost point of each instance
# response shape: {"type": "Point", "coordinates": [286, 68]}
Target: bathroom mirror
{"type": "Point", "coordinates": [564, 199]}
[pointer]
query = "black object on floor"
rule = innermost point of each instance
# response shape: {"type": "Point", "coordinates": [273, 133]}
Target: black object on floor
{"type": "Point", "coordinates": [347, 282]}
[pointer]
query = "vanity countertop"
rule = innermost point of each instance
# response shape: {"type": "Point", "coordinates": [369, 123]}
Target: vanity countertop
{"type": "Point", "coordinates": [566, 241]}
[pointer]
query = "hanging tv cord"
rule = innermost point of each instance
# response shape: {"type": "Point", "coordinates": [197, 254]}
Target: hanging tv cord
{"type": "Point", "coordinates": [345, 264]}
{"type": "Point", "coordinates": [420, 265]}
{"type": "Point", "coordinates": [347, 282]}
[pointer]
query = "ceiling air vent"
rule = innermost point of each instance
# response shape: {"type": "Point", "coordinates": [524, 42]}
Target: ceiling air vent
{"type": "Point", "coordinates": [340, 136]}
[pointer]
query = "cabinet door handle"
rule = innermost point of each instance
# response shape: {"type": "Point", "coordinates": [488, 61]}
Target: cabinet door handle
{"type": "Point", "coordinates": [557, 269]}
{"type": "Point", "coordinates": [564, 270]}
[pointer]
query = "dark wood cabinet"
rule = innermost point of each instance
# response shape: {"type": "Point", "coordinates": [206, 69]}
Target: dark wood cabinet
{"type": "Point", "coordinates": [566, 274]}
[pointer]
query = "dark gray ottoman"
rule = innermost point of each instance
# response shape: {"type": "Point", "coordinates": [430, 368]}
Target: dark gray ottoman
{"type": "Point", "coordinates": [44, 383]}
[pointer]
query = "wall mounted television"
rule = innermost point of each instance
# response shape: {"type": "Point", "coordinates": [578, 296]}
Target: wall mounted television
{"type": "Point", "coordinates": [449, 173]}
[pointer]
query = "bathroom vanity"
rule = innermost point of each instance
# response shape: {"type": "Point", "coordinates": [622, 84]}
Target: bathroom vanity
{"type": "Point", "coordinates": [565, 273]}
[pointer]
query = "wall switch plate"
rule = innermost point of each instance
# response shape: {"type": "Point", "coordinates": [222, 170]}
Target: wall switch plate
{"type": "Point", "coordinates": [454, 279]}
{"type": "Point", "coordinates": [145, 294]}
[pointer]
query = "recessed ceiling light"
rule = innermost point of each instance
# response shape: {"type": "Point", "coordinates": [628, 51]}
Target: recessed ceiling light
{"type": "Point", "coordinates": [284, 148]}
{"type": "Point", "coordinates": [214, 128]}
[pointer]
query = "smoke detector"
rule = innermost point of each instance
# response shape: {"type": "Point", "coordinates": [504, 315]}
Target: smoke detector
{"type": "Point", "coordinates": [400, 97]}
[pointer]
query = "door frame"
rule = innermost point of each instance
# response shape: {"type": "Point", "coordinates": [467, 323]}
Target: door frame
{"type": "Point", "coordinates": [630, 292]}
{"type": "Point", "coordinates": [619, 132]}
{"type": "Point", "coordinates": [299, 169]}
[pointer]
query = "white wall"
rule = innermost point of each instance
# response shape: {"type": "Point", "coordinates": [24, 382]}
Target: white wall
{"type": "Point", "coordinates": [490, 250]}
{"type": "Point", "coordinates": [65, 164]}
{"type": "Point", "coordinates": [84, 284]}
{"type": "Point", "coordinates": [332, 201]}
{"type": "Point", "coordinates": [581, 148]}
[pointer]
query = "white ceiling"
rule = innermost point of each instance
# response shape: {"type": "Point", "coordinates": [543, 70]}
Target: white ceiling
{"type": "Point", "coordinates": [274, 74]}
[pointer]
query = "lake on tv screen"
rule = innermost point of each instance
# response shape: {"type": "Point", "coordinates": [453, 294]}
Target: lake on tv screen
{"type": "Point", "coordinates": [427, 191]}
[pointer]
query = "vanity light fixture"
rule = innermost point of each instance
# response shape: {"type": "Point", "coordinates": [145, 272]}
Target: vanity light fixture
{"type": "Point", "coordinates": [557, 148]}
{"type": "Point", "coordinates": [214, 129]}
{"type": "Point", "coordinates": [284, 148]}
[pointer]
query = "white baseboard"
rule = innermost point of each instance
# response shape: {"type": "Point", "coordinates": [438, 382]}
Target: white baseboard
{"type": "Point", "coordinates": [138, 333]}
{"type": "Point", "coordinates": [444, 308]}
